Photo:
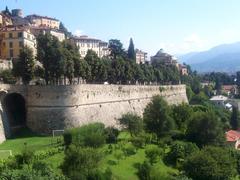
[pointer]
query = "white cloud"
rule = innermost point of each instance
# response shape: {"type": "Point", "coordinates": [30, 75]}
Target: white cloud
{"type": "Point", "coordinates": [78, 32]}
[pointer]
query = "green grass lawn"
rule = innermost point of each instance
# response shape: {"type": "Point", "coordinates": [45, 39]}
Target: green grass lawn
{"type": "Point", "coordinates": [27, 139]}
{"type": "Point", "coordinates": [122, 169]}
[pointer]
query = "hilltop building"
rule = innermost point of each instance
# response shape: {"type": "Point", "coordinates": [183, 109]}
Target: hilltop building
{"type": "Point", "coordinates": [5, 20]}
{"type": "Point", "coordinates": [85, 43]}
{"type": "Point", "coordinates": [13, 39]}
{"type": "Point", "coordinates": [44, 30]}
{"type": "Point", "coordinates": [43, 21]}
{"type": "Point", "coordinates": [164, 58]}
{"type": "Point", "coordinates": [183, 69]}
{"type": "Point", "coordinates": [141, 56]}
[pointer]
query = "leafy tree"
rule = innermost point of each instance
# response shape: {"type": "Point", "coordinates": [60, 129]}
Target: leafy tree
{"type": "Point", "coordinates": [132, 122]}
{"type": "Point", "coordinates": [179, 151]}
{"type": "Point", "coordinates": [80, 163]}
{"type": "Point", "coordinates": [116, 48]}
{"type": "Point", "coordinates": [24, 67]}
{"type": "Point", "coordinates": [157, 117]}
{"type": "Point", "coordinates": [234, 121]}
{"type": "Point", "coordinates": [144, 171]}
{"type": "Point", "coordinates": [64, 30]}
{"type": "Point", "coordinates": [181, 115]}
{"type": "Point", "coordinates": [131, 50]}
{"type": "Point", "coordinates": [212, 163]}
{"type": "Point", "coordinates": [153, 153]}
{"type": "Point", "coordinates": [205, 129]}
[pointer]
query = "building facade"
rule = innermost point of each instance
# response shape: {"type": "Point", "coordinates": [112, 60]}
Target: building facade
{"type": "Point", "coordinates": [183, 70]}
{"type": "Point", "coordinates": [13, 39]}
{"type": "Point", "coordinates": [85, 43]}
{"type": "Point", "coordinates": [164, 58]}
{"type": "Point", "coordinates": [43, 30]}
{"type": "Point", "coordinates": [141, 57]}
{"type": "Point", "coordinates": [43, 21]}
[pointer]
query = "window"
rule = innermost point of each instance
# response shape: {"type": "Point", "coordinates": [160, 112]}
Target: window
{"type": "Point", "coordinates": [10, 44]}
{"type": "Point", "coordinates": [28, 36]}
{"type": "Point", "coordinates": [11, 53]}
{"type": "Point", "coordinates": [20, 44]}
{"type": "Point", "coordinates": [20, 35]}
{"type": "Point", "coordinates": [10, 35]}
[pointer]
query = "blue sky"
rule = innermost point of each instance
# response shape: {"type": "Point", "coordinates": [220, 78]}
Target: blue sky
{"type": "Point", "coordinates": [178, 26]}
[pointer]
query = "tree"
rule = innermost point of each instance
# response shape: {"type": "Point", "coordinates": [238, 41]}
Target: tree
{"type": "Point", "coordinates": [157, 118]}
{"type": "Point", "coordinates": [234, 121]}
{"type": "Point", "coordinates": [144, 171]}
{"type": "Point", "coordinates": [24, 66]}
{"type": "Point", "coordinates": [205, 129]}
{"type": "Point", "coordinates": [64, 30]}
{"type": "Point", "coordinates": [132, 122]}
{"type": "Point", "coordinates": [116, 48]}
{"type": "Point", "coordinates": [181, 115]}
{"type": "Point", "coordinates": [153, 154]}
{"type": "Point", "coordinates": [80, 163]}
{"type": "Point", "coordinates": [212, 163]}
{"type": "Point", "coordinates": [131, 50]}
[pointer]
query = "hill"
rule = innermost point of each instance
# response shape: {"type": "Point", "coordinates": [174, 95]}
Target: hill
{"type": "Point", "coordinates": [223, 58]}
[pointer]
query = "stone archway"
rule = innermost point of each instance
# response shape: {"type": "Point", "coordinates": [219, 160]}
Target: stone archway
{"type": "Point", "coordinates": [13, 113]}
{"type": "Point", "coordinates": [15, 108]}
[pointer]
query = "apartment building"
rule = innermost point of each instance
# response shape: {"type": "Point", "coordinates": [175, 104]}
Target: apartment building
{"type": "Point", "coordinates": [44, 30]}
{"type": "Point", "coordinates": [85, 43]}
{"type": "Point", "coordinates": [141, 56]}
{"type": "Point", "coordinates": [5, 20]}
{"type": "Point", "coordinates": [13, 39]}
{"type": "Point", "coordinates": [43, 21]}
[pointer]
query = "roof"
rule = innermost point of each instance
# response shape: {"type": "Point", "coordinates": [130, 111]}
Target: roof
{"type": "Point", "coordinates": [219, 98]}
{"type": "Point", "coordinates": [228, 87]}
{"type": "Point", "coordinates": [84, 37]}
{"type": "Point", "coordinates": [38, 16]}
{"type": "Point", "coordinates": [232, 136]}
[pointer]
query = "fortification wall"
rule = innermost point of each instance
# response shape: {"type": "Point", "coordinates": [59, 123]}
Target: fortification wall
{"type": "Point", "coordinates": [61, 107]}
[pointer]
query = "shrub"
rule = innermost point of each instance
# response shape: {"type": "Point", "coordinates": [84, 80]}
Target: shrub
{"type": "Point", "coordinates": [153, 153]}
{"type": "Point", "coordinates": [212, 163]}
{"type": "Point", "coordinates": [79, 163]}
{"type": "Point", "coordinates": [91, 135]}
{"type": "Point", "coordinates": [129, 149]}
{"type": "Point", "coordinates": [118, 154]}
{"type": "Point", "coordinates": [138, 142]}
{"type": "Point", "coordinates": [144, 171]}
{"type": "Point", "coordinates": [179, 151]}
{"type": "Point", "coordinates": [111, 134]}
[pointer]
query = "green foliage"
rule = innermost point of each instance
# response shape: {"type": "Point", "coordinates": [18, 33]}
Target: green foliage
{"type": "Point", "coordinates": [144, 171]}
{"type": "Point", "coordinates": [131, 50]}
{"type": "Point", "coordinates": [157, 117]}
{"type": "Point", "coordinates": [24, 66]}
{"type": "Point", "coordinates": [181, 115]}
{"type": "Point", "coordinates": [153, 153]}
{"type": "Point", "coordinates": [132, 122]}
{"type": "Point", "coordinates": [7, 77]}
{"type": "Point", "coordinates": [212, 163]}
{"type": "Point", "coordinates": [91, 135]}
{"type": "Point", "coordinates": [116, 48]}
{"type": "Point", "coordinates": [129, 149]}
{"type": "Point", "coordinates": [80, 163]}
{"type": "Point", "coordinates": [179, 151]}
{"type": "Point", "coordinates": [234, 121]}
{"type": "Point", "coordinates": [205, 129]}
{"type": "Point", "coordinates": [111, 134]}
{"type": "Point", "coordinates": [200, 98]}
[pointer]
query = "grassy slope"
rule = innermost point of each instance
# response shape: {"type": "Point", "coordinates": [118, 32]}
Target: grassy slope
{"type": "Point", "coordinates": [124, 169]}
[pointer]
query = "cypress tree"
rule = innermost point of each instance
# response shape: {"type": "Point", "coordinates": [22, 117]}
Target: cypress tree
{"type": "Point", "coordinates": [234, 119]}
{"type": "Point", "coordinates": [131, 50]}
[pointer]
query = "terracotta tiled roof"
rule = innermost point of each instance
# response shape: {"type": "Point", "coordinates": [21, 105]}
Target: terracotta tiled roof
{"type": "Point", "coordinates": [232, 135]}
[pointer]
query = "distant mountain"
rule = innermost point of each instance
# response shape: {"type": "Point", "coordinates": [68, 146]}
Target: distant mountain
{"type": "Point", "coordinates": [222, 58]}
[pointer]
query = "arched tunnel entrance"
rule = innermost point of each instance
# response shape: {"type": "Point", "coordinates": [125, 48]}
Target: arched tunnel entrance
{"type": "Point", "coordinates": [14, 106]}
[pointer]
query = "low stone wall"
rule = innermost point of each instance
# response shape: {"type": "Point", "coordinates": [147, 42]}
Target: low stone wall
{"type": "Point", "coordinates": [61, 107]}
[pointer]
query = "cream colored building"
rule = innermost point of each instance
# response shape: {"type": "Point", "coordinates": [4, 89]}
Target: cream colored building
{"type": "Point", "coordinates": [85, 43]}
{"type": "Point", "coordinates": [54, 32]}
{"type": "Point", "coordinates": [13, 39]}
{"type": "Point", "coordinates": [141, 57]}
{"type": "Point", "coordinates": [43, 21]}
{"type": "Point", "coordinates": [5, 20]}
